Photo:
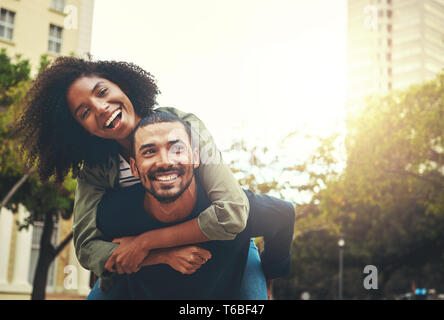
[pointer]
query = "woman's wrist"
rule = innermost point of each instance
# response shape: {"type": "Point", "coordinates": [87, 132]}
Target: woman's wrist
{"type": "Point", "coordinates": [145, 241]}
{"type": "Point", "coordinates": [157, 256]}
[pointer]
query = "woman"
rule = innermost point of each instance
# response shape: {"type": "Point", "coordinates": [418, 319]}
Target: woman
{"type": "Point", "coordinates": [78, 118]}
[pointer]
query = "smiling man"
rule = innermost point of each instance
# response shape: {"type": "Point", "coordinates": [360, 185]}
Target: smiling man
{"type": "Point", "coordinates": [164, 158]}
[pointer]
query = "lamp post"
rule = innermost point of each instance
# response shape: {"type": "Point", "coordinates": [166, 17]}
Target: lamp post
{"type": "Point", "coordinates": [341, 244]}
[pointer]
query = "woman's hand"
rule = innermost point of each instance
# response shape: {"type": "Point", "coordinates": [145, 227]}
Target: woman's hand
{"type": "Point", "coordinates": [187, 259]}
{"type": "Point", "coordinates": [128, 256]}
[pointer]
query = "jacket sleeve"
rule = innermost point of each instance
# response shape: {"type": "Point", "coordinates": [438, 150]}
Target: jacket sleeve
{"type": "Point", "coordinates": [227, 216]}
{"type": "Point", "coordinates": [273, 219]}
{"type": "Point", "coordinates": [92, 248]}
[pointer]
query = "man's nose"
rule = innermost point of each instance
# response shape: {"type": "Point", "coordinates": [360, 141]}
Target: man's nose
{"type": "Point", "coordinates": [165, 159]}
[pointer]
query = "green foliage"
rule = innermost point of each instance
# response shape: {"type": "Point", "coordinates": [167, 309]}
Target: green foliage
{"type": "Point", "coordinates": [12, 72]}
{"type": "Point", "coordinates": [39, 198]}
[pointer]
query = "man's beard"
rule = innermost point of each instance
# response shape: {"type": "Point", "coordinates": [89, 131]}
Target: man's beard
{"type": "Point", "coordinates": [166, 199]}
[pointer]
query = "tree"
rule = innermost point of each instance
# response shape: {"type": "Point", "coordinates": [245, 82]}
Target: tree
{"type": "Point", "coordinates": [388, 201]}
{"type": "Point", "coordinates": [47, 202]}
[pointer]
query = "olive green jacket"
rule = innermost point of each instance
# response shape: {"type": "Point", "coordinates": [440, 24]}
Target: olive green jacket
{"type": "Point", "coordinates": [223, 220]}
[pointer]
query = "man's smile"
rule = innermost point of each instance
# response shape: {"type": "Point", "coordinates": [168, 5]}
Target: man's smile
{"type": "Point", "coordinates": [166, 176]}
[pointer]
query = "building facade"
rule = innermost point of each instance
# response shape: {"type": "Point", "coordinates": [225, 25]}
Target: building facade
{"type": "Point", "coordinates": [393, 44]}
{"type": "Point", "coordinates": [32, 28]}
{"type": "Point", "coordinates": [19, 250]}
{"type": "Point", "coordinates": [52, 27]}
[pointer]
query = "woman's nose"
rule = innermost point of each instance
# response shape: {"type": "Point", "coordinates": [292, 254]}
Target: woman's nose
{"type": "Point", "coordinates": [101, 106]}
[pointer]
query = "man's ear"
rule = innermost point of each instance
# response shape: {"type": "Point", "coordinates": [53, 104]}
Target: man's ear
{"type": "Point", "coordinates": [133, 166]}
{"type": "Point", "coordinates": [196, 158]}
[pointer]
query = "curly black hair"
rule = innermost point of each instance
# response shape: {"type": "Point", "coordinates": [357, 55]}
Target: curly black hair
{"type": "Point", "coordinates": [52, 139]}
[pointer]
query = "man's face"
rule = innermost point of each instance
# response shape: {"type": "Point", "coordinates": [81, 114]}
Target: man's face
{"type": "Point", "coordinates": [164, 159]}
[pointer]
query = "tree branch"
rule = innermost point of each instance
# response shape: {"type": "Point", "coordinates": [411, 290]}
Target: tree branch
{"type": "Point", "coordinates": [15, 188]}
{"type": "Point", "coordinates": [62, 244]}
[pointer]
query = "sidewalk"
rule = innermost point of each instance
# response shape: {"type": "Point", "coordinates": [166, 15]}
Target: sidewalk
{"type": "Point", "coordinates": [49, 296]}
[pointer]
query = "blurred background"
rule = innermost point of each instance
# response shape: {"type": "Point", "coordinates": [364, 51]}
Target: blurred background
{"type": "Point", "coordinates": [336, 106]}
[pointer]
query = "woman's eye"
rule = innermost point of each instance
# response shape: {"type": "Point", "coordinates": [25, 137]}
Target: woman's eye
{"type": "Point", "coordinates": [103, 91]}
{"type": "Point", "coordinates": [84, 113]}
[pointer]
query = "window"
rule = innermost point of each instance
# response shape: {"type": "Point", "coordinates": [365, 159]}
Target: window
{"type": "Point", "coordinates": [55, 39]}
{"type": "Point", "coordinates": [389, 28]}
{"type": "Point", "coordinates": [389, 42]}
{"type": "Point", "coordinates": [389, 14]}
{"type": "Point", "coordinates": [58, 5]}
{"type": "Point", "coordinates": [6, 24]}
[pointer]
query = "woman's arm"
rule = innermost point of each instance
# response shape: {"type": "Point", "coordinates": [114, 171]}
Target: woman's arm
{"type": "Point", "coordinates": [227, 216]}
{"type": "Point", "coordinates": [185, 260]}
{"type": "Point", "coordinates": [92, 247]}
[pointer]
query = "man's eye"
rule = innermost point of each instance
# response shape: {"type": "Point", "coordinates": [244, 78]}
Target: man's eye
{"type": "Point", "coordinates": [178, 149]}
{"type": "Point", "coordinates": [148, 151]}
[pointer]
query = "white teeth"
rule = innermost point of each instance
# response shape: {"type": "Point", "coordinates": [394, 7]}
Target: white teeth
{"type": "Point", "coordinates": [167, 178]}
{"type": "Point", "coordinates": [111, 119]}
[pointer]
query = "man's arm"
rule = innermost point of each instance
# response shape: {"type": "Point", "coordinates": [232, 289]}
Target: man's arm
{"type": "Point", "coordinates": [273, 219]}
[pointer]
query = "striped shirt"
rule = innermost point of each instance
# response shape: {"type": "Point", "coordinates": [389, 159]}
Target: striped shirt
{"type": "Point", "coordinates": [126, 178]}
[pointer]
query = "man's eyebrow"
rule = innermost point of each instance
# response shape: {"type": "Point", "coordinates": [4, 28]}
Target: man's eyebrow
{"type": "Point", "coordinates": [147, 145]}
{"type": "Point", "coordinates": [150, 145]}
{"type": "Point", "coordinates": [175, 141]}
{"type": "Point", "coordinates": [92, 91]}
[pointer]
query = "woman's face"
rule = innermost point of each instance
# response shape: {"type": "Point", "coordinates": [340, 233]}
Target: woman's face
{"type": "Point", "coordinates": [102, 108]}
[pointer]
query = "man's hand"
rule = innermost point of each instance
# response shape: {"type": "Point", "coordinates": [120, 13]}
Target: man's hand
{"type": "Point", "coordinates": [128, 256]}
{"type": "Point", "coordinates": [187, 259]}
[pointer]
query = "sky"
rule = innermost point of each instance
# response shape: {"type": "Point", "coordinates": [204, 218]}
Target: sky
{"type": "Point", "coordinates": [252, 69]}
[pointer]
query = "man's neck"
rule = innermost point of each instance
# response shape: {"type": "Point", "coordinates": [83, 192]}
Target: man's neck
{"type": "Point", "coordinates": [174, 211]}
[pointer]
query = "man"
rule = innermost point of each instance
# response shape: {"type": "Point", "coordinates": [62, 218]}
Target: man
{"type": "Point", "coordinates": [164, 158]}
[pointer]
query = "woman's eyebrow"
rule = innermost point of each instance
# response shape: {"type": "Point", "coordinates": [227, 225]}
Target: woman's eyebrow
{"type": "Point", "coordinates": [97, 85]}
{"type": "Point", "coordinates": [77, 109]}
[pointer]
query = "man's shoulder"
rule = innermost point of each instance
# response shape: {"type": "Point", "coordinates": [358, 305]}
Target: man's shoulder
{"type": "Point", "coordinates": [203, 201]}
